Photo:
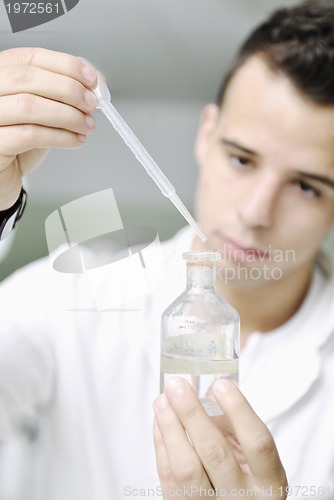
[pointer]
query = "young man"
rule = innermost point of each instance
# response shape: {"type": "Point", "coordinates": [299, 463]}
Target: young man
{"type": "Point", "coordinates": [265, 198]}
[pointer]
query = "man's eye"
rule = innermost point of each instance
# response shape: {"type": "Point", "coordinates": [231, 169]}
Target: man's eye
{"type": "Point", "coordinates": [308, 189]}
{"type": "Point", "coordinates": [240, 161]}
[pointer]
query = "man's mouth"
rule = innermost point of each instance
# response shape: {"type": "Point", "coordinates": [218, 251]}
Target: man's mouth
{"type": "Point", "coordinates": [240, 250]}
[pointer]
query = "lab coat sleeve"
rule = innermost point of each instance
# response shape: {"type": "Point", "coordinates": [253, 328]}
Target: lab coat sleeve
{"type": "Point", "coordinates": [26, 361]}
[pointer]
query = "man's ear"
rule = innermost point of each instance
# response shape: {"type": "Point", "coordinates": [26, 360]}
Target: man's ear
{"type": "Point", "coordinates": [206, 128]}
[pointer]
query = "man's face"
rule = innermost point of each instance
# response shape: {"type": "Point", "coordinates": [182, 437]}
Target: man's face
{"type": "Point", "coordinates": [265, 194]}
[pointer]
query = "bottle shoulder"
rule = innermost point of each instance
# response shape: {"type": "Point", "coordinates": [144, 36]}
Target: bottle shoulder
{"type": "Point", "coordinates": [206, 303]}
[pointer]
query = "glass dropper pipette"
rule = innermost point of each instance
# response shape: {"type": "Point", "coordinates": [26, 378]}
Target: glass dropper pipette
{"type": "Point", "coordinates": [102, 94]}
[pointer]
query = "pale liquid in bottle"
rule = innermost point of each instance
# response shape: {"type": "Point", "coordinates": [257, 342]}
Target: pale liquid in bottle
{"type": "Point", "coordinates": [201, 374]}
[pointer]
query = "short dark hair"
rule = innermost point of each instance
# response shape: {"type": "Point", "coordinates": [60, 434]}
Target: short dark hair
{"type": "Point", "coordinates": [297, 42]}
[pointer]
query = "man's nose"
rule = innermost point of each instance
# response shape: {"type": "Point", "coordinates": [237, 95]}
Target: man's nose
{"type": "Point", "coordinates": [259, 203]}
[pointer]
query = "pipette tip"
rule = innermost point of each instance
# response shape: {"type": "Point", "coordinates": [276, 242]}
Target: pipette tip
{"type": "Point", "coordinates": [200, 233]}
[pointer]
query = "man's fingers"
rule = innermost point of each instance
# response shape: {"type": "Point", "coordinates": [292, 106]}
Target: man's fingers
{"type": "Point", "coordinates": [182, 458]}
{"type": "Point", "coordinates": [45, 101]}
{"type": "Point", "coordinates": [32, 109]}
{"type": "Point", "coordinates": [166, 475]}
{"type": "Point", "coordinates": [20, 138]}
{"type": "Point", "coordinates": [210, 445]}
{"type": "Point", "coordinates": [57, 62]}
{"type": "Point", "coordinates": [40, 82]}
{"type": "Point", "coordinates": [252, 434]}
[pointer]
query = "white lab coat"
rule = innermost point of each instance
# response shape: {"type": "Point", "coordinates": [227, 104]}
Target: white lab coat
{"type": "Point", "coordinates": [91, 376]}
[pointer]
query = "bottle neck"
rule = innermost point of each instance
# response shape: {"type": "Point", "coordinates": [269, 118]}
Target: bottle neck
{"type": "Point", "coordinates": [200, 275]}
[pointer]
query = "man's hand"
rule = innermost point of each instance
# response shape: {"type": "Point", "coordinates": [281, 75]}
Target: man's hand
{"type": "Point", "coordinates": [45, 102]}
{"type": "Point", "coordinates": [233, 455]}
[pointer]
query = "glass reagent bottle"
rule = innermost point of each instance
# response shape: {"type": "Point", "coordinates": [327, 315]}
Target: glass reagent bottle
{"type": "Point", "coordinates": [200, 332]}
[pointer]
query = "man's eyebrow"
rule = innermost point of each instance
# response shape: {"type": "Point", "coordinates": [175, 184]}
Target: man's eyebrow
{"type": "Point", "coordinates": [239, 146]}
{"type": "Point", "coordinates": [319, 178]}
